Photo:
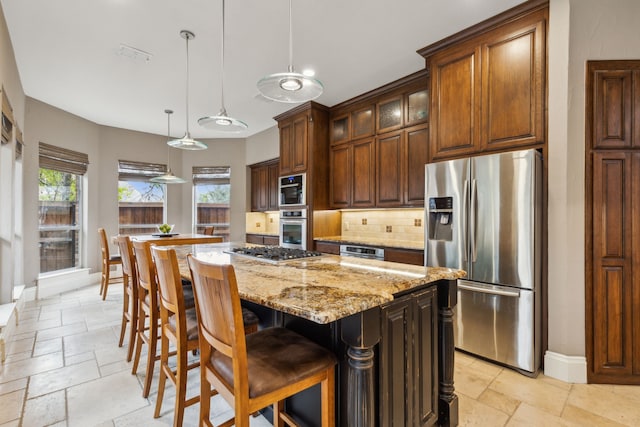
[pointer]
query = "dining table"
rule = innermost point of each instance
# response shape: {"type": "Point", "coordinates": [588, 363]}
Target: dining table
{"type": "Point", "coordinates": [175, 239]}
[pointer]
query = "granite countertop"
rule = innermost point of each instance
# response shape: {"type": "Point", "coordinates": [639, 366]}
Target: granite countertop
{"type": "Point", "coordinates": [322, 289]}
{"type": "Point", "coordinates": [370, 241]}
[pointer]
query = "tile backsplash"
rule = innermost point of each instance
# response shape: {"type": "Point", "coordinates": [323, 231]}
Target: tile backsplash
{"type": "Point", "coordinates": [262, 222]}
{"type": "Point", "coordinates": [393, 224]}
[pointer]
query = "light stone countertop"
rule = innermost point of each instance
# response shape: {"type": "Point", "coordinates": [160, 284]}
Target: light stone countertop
{"type": "Point", "coordinates": [322, 289]}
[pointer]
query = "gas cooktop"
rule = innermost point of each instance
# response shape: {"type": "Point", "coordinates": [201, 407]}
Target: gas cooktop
{"type": "Point", "coordinates": [274, 253]}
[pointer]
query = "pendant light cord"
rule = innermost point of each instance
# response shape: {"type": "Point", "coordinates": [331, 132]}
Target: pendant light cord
{"type": "Point", "coordinates": [187, 37]}
{"type": "Point", "coordinates": [168, 112]}
{"type": "Point", "coordinates": [222, 62]}
{"type": "Point", "coordinates": [290, 38]}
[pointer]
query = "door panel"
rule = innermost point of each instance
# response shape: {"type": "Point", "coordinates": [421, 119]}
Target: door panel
{"type": "Point", "coordinates": [502, 233]}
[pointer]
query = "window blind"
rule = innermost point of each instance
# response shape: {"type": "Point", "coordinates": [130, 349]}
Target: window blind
{"type": "Point", "coordinates": [211, 175]}
{"type": "Point", "coordinates": [63, 159]}
{"type": "Point", "coordinates": [129, 170]}
{"type": "Point", "coordinates": [7, 119]}
{"type": "Point", "coordinates": [19, 143]}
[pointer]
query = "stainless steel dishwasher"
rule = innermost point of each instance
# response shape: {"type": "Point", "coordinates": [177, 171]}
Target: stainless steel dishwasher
{"type": "Point", "coordinates": [362, 252]}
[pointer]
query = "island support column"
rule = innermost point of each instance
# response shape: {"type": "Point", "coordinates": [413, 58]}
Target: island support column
{"type": "Point", "coordinates": [361, 332]}
{"type": "Point", "coordinates": [448, 401]}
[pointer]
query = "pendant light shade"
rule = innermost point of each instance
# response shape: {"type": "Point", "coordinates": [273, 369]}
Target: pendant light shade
{"type": "Point", "coordinates": [222, 122]}
{"type": "Point", "coordinates": [290, 87]}
{"type": "Point", "coordinates": [186, 142]}
{"type": "Point", "coordinates": [169, 177]}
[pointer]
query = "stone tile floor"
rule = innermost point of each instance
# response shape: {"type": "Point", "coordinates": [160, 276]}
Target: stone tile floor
{"type": "Point", "coordinates": [64, 368]}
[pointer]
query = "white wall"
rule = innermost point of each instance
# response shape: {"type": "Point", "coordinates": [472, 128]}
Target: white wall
{"type": "Point", "coordinates": [10, 261]}
{"type": "Point", "coordinates": [263, 146]}
{"type": "Point", "coordinates": [581, 30]}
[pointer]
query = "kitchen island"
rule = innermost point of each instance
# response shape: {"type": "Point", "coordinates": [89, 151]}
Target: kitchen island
{"type": "Point", "coordinates": [389, 324]}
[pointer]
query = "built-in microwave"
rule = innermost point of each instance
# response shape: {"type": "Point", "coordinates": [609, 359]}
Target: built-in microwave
{"type": "Point", "coordinates": [292, 190]}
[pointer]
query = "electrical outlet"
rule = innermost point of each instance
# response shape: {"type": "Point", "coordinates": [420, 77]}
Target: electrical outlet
{"type": "Point", "coordinates": [346, 226]}
{"type": "Point", "coordinates": [389, 229]}
{"type": "Point", "coordinates": [257, 225]}
{"type": "Point", "coordinates": [270, 220]}
{"type": "Point", "coordinates": [364, 221]}
{"type": "Point", "coordinates": [417, 222]}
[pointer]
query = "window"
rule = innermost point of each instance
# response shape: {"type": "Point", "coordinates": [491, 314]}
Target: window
{"type": "Point", "coordinates": [60, 207]}
{"type": "Point", "coordinates": [212, 195]}
{"type": "Point", "coordinates": [141, 203]}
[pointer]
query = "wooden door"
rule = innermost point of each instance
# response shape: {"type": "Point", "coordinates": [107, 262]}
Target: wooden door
{"type": "Point", "coordinates": [455, 97]}
{"type": "Point", "coordinates": [390, 169]}
{"type": "Point", "coordinates": [286, 143]}
{"type": "Point", "coordinates": [299, 146]}
{"type": "Point", "coordinates": [417, 156]}
{"type": "Point", "coordinates": [340, 186]}
{"type": "Point", "coordinates": [363, 176]}
{"type": "Point", "coordinates": [612, 222]}
{"type": "Point", "coordinates": [513, 85]}
{"type": "Point", "coordinates": [273, 175]}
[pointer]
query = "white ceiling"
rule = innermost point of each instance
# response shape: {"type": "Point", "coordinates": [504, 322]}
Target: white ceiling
{"type": "Point", "coordinates": [66, 52]}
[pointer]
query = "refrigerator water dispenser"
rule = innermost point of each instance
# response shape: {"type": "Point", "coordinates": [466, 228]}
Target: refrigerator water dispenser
{"type": "Point", "coordinates": [441, 218]}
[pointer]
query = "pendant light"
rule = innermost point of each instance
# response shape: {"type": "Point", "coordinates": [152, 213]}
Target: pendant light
{"type": "Point", "coordinates": [222, 122]}
{"type": "Point", "coordinates": [169, 177]}
{"type": "Point", "coordinates": [186, 142]}
{"type": "Point", "coordinates": [290, 87]}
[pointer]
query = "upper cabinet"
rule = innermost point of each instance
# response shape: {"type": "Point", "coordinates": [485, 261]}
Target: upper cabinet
{"type": "Point", "coordinates": [264, 186]}
{"type": "Point", "coordinates": [304, 147]}
{"type": "Point", "coordinates": [379, 146]}
{"type": "Point", "coordinates": [488, 88]}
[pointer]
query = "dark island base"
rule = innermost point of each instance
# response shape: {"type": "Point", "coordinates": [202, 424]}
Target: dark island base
{"type": "Point", "coordinates": [376, 385]}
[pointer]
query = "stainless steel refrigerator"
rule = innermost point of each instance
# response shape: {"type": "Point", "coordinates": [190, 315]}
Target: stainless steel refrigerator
{"type": "Point", "coordinates": [483, 215]}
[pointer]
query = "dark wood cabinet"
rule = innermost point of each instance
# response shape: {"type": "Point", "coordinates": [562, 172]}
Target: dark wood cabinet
{"type": "Point", "coordinates": [294, 144]}
{"type": "Point", "coordinates": [378, 161]}
{"type": "Point", "coordinates": [262, 239]}
{"type": "Point", "coordinates": [404, 256]}
{"type": "Point", "coordinates": [401, 157]}
{"type": "Point", "coordinates": [390, 112]}
{"type": "Point", "coordinates": [304, 147]}
{"type": "Point", "coordinates": [352, 178]}
{"type": "Point", "coordinates": [407, 370]}
{"type": "Point", "coordinates": [264, 186]}
{"type": "Point", "coordinates": [488, 91]}
{"type": "Point", "coordinates": [328, 248]}
{"type": "Point", "coordinates": [273, 192]}
{"type": "Point", "coordinates": [612, 307]}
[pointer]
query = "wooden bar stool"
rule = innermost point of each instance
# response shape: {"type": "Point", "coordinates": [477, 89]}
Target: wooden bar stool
{"type": "Point", "coordinates": [253, 372]}
{"type": "Point", "coordinates": [179, 327]}
{"type": "Point", "coordinates": [148, 312]}
{"type": "Point", "coordinates": [130, 299]}
{"type": "Point", "coordinates": [107, 261]}
{"type": "Point", "coordinates": [209, 230]}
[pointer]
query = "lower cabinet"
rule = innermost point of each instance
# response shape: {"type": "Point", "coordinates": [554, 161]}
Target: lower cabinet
{"type": "Point", "coordinates": [408, 363]}
{"type": "Point", "coordinates": [404, 256]}
{"type": "Point", "coordinates": [261, 239]}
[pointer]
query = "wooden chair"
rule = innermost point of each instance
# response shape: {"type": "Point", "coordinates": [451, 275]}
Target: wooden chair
{"type": "Point", "coordinates": [209, 231]}
{"type": "Point", "coordinates": [253, 372]}
{"type": "Point", "coordinates": [107, 261]}
{"type": "Point", "coordinates": [148, 312]}
{"type": "Point", "coordinates": [130, 299]}
{"type": "Point", "coordinates": [178, 326]}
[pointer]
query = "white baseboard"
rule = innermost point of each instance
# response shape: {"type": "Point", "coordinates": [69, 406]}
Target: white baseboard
{"type": "Point", "coordinates": [54, 284]}
{"type": "Point", "coordinates": [570, 369]}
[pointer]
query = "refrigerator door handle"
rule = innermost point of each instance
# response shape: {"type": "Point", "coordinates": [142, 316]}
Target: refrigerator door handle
{"type": "Point", "coordinates": [463, 229]}
{"type": "Point", "coordinates": [466, 287]}
{"type": "Point", "coordinates": [472, 220]}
